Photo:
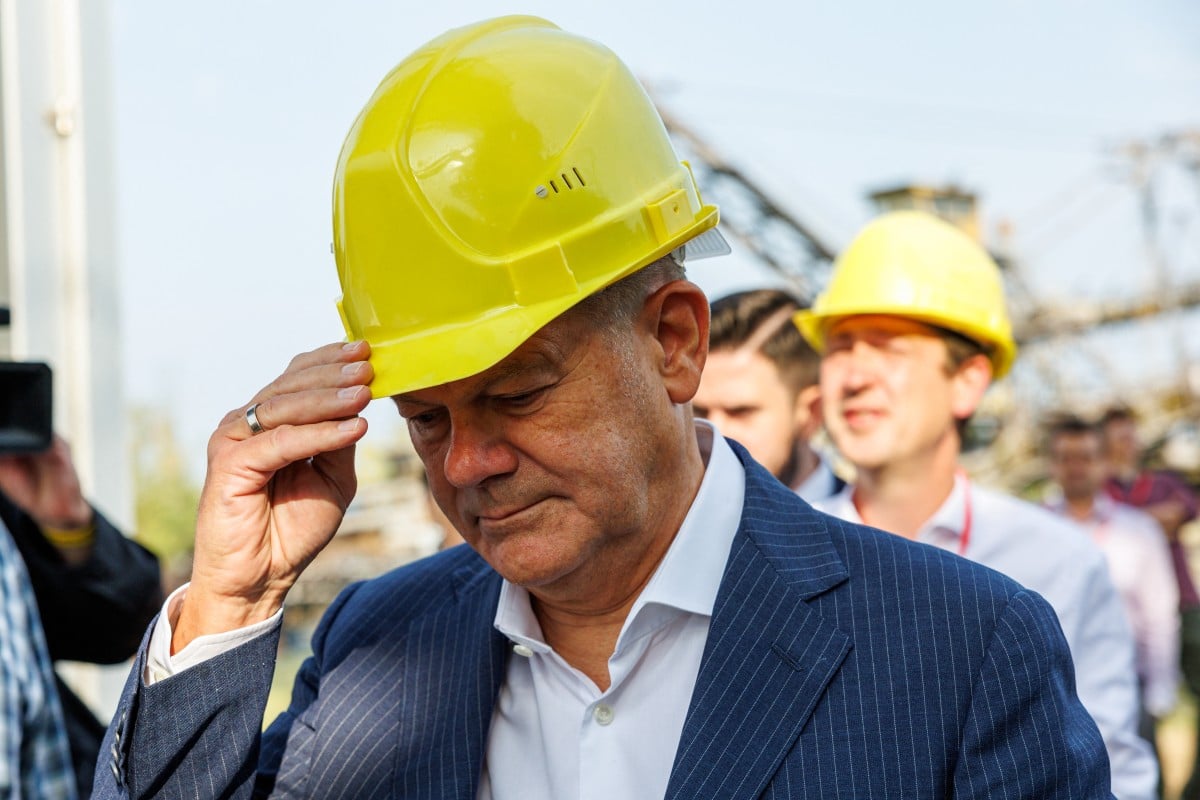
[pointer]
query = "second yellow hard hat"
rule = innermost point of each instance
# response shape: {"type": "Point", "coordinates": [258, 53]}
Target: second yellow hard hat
{"type": "Point", "coordinates": [912, 264]}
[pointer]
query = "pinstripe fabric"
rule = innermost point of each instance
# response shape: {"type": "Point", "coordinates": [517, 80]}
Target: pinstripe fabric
{"type": "Point", "coordinates": [841, 663]}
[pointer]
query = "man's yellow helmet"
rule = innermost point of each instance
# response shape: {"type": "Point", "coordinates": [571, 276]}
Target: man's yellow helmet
{"type": "Point", "coordinates": [499, 175]}
{"type": "Point", "coordinates": [912, 264]}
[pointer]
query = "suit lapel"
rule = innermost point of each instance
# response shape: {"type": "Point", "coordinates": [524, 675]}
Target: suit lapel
{"type": "Point", "coordinates": [448, 703]}
{"type": "Point", "coordinates": [769, 656]}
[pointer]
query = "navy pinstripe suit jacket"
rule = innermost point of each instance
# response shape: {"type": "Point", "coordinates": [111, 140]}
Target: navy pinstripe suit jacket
{"type": "Point", "coordinates": [841, 662]}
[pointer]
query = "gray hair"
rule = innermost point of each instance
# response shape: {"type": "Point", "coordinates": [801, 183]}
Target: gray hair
{"type": "Point", "coordinates": [619, 303]}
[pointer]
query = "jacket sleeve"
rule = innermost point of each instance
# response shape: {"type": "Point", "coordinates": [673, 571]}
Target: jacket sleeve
{"type": "Point", "coordinates": [1026, 734]}
{"type": "Point", "coordinates": [196, 734]}
{"type": "Point", "coordinates": [95, 612]}
{"type": "Point", "coordinates": [193, 735]}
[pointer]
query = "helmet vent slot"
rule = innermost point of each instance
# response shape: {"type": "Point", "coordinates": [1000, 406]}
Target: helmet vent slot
{"type": "Point", "coordinates": [568, 185]}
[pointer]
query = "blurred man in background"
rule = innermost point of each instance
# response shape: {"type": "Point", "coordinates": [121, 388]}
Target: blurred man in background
{"type": "Point", "coordinates": [912, 330]}
{"type": "Point", "coordinates": [75, 588]}
{"type": "Point", "coordinates": [1138, 560]}
{"type": "Point", "coordinates": [759, 387]}
{"type": "Point", "coordinates": [1165, 497]}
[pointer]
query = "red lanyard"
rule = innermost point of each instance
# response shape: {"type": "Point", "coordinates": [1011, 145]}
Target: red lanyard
{"type": "Point", "coordinates": [965, 539]}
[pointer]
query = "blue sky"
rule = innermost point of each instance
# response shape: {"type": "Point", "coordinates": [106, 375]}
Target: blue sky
{"type": "Point", "coordinates": [230, 115]}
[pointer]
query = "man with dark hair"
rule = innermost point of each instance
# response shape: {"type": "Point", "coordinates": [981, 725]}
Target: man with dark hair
{"type": "Point", "coordinates": [642, 610]}
{"type": "Point", "coordinates": [1137, 555]}
{"type": "Point", "coordinates": [759, 387]}
{"type": "Point", "coordinates": [912, 329]}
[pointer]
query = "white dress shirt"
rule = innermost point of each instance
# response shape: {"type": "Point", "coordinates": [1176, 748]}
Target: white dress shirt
{"type": "Point", "coordinates": [1140, 563]}
{"type": "Point", "coordinates": [554, 734]}
{"type": "Point", "coordinates": [160, 664]}
{"type": "Point", "coordinates": [1058, 561]}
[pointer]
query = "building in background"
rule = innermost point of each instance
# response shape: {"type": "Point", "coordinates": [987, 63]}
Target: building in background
{"type": "Point", "coordinates": [58, 260]}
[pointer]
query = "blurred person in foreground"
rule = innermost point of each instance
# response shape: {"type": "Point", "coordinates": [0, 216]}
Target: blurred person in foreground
{"type": "Point", "coordinates": [642, 610]}
{"type": "Point", "coordinates": [74, 588]}
{"type": "Point", "coordinates": [1138, 560]}
{"type": "Point", "coordinates": [912, 329]}
{"type": "Point", "coordinates": [1172, 503]}
{"type": "Point", "coordinates": [759, 388]}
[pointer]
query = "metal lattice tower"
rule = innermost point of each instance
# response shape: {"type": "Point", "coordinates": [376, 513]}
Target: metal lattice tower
{"type": "Point", "coordinates": [776, 237]}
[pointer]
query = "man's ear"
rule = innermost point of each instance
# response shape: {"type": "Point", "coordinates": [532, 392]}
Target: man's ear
{"type": "Point", "coordinates": [808, 412]}
{"type": "Point", "coordinates": [969, 383]}
{"type": "Point", "coordinates": [676, 318]}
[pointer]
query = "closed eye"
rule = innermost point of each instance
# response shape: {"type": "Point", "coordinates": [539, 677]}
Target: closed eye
{"type": "Point", "coordinates": [425, 424]}
{"type": "Point", "coordinates": [521, 400]}
{"type": "Point", "coordinates": [420, 418]}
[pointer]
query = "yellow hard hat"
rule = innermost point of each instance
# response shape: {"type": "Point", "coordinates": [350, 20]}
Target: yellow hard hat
{"type": "Point", "coordinates": [912, 264]}
{"type": "Point", "coordinates": [499, 175]}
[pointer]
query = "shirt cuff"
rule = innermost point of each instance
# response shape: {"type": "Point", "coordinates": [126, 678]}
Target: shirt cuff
{"type": "Point", "coordinates": [160, 664]}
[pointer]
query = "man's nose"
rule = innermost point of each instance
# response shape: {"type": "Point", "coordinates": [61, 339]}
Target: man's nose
{"type": "Point", "coordinates": [858, 366]}
{"type": "Point", "coordinates": [476, 453]}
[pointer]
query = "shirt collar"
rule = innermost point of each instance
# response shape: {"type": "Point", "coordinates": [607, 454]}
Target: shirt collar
{"type": "Point", "coordinates": [840, 505]}
{"type": "Point", "coordinates": [946, 523]}
{"type": "Point", "coordinates": [951, 518]}
{"type": "Point", "coordinates": [690, 573]}
{"type": "Point", "coordinates": [1103, 507]}
{"type": "Point", "coordinates": [820, 484]}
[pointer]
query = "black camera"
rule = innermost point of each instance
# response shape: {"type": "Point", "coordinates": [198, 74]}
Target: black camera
{"type": "Point", "coordinates": [25, 407]}
{"type": "Point", "coordinates": [26, 404]}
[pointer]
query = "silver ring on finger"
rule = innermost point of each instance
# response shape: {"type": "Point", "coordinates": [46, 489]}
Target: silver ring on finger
{"type": "Point", "coordinates": [252, 419]}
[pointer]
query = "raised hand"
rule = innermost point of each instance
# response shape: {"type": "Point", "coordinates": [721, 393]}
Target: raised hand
{"type": "Point", "coordinates": [273, 500]}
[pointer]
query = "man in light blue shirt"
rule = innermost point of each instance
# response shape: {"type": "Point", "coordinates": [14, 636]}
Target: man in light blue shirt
{"type": "Point", "coordinates": [912, 330]}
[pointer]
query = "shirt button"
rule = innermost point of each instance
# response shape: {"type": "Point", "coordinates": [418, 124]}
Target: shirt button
{"type": "Point", "coordinates": [603, 714]}
{"type": "Point", "coordinates": [522, 650]}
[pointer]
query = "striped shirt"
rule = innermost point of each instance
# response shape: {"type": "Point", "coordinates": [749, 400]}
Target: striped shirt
{"type": "Point", "coordinates": [35, 762]}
